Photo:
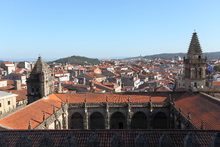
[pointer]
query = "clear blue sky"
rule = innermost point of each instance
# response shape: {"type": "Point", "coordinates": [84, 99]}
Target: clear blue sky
{"type": "Point", "coordinates": [105, 28]}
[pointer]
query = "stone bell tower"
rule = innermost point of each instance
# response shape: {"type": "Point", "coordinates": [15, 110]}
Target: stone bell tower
{"type": "Point", "coordinates": [195, 66]}
{"type": "Point", "coordinates": [40, 83]}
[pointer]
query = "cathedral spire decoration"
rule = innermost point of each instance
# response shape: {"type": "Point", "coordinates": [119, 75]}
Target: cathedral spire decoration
{"type": "Point", "coordinates": [195, 66]}
{"type": "Point", "coordinates": [194, 47]}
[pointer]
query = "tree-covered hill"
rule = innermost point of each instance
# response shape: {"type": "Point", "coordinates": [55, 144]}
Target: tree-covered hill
{"type": "Point", "coordinates": [78, 60]}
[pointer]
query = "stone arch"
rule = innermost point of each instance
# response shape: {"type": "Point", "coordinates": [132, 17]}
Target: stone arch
{"type": "Point", "coordinates": [118, 121]}
{"type": "Point", "coordinates": [76, 121]}
{"type": "Point", "coordinates": [139, 121]}
{"type": "Point", "coordinates": [96, 121]}
{"type": "Point", "coordinates": [160, 121]}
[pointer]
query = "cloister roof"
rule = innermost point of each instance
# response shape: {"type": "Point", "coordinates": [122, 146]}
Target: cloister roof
{"type": "Point", "coordinates": [201, 108]}
{"type": "Point", "coordinates": [112, 98]}
{"type": "Point", "coordinates": [107, 138]}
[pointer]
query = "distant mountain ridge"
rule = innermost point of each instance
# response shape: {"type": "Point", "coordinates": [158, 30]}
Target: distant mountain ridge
{"type": "Point", "coordinates": [78, 60]}
{"type": "Point", "coordinates": [169, 56]}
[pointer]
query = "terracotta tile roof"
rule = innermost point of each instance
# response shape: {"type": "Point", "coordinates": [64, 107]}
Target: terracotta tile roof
{"type": "Point", "coordinates": [22, 94]}
{"type": "Point", "coordinates": [94, 75]}
{"type": "Point", "coordinates": [216, 83]}
{"type": "Point", "coordinates": [201, 108]}
{"type": "Point", "coordinates": [59, 137]}
{"type": "Point", "coordinates": [112, 98]}
{"type": "Point", "coordinates": [32, 112]}
{"type": "Point", "coordinates": [104, 86]}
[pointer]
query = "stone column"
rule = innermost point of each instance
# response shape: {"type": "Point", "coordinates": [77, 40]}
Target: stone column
{"type": "Point", "coordinates": [107, 121]}
{"type": "Point", "coordinates": [129, 114]}
{"type": "Point", "coordinates": [129, 121]}
{"type": "Point", "coordinates": [85, 119]}
{"type": "Point", "coordinates": [107, 117]}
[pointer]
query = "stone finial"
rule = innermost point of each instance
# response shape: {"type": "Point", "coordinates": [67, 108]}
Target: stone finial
{"type": "Point", "coordinates": [44, 116]}
{"type": "Point", "coordinates": [93, 140]}
{"type": "Point", "coordinates": [54, 109]}
{"type": "Point", "coordinates": [3, 140]}
{"type": "Point", "coordinates": [29, 125]}
{"type": "Point", "coordinates": [141, 141]}
{"type": "Point", "coordinates": [215, 140]}
{"type": "Point", "coordinates": [23, 141]}
{"type": "Point", "coordinates": [106, 99]}
{"type": "Point", "coordinates": [189, 116]}
{"type": "Point", "coordinates": [180, 109]}
{"type": "Point", "coordinates": [116, 140]}
{"type": "Point", "coordinates": [202, 125]}
{"type": "Point", "coordinates": [67, 100]}
{"type": "Point", "coordinates": [150, 99]}
{"type": "Point", "coordinates": [46, 141]}
{"type": "Point", "coordinates": [70, 141]}
{"type": "Point", "coordinates": [165, 141]}
{"type": "Point", "coordinates": [61, 104]}
{"type": "Point", "coordinates": [129, 99]}
{"type": "Point", "coordinates": [85, 99]}
{"type": "Point", "coordinates": [190, 140]}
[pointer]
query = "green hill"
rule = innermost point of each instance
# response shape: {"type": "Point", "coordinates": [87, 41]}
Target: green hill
{"type": "Point", "coordinates": [169, 56]}
{"type": "Point", "coordinates": [78, 60]}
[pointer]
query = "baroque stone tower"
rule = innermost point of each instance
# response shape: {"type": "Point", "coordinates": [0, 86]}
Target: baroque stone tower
{"type": "Point", "coordinates": [40, 83]}
{"type": "Point", "coordinates": [195, 66]}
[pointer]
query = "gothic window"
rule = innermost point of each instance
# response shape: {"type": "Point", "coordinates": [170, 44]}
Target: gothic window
{"type": "Point", "coordinates": [139, 121]}
{"type": "Point", "coordinates": [76, 121]}
{"type": "Point", "coordinates": [195, 85]}
{"type": "Point", "coordinates": [196, 75]}
{"type": "Point", "coordinates": [64, 121]}
{"type": "Point", "coordinates": [200, 72]}
{"type": "Point", "coordinates": [37, 90]}
{"type": "Point", "coordinates": [97, 121]}
{"type": "Point", "coordinates": [118, 121]}
{"type": "Point", "coordinates": [56, 123]}
{"type": "Point", "coordinates": [160, 121]}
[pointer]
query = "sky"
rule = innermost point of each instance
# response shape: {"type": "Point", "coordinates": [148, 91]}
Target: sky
{"type": "Point", "coordinates": [105, 28]}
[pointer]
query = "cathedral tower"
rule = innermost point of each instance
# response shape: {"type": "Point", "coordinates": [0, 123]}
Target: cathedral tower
{"type": "Point", "coordinates": [40, 83]}
{"type": "Point", "coordinates": [195, 66]}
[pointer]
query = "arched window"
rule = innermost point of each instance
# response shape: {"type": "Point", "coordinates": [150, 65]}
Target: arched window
{"type": "Point", "coordinates": [64, 121]}
{"type": "Point", "coordinates": [57, 125]}
{"type": "Point", "coordinates": [76, 121]}
{"type": "Point", "coordinates": [160, 121]}
{"type": "Point", "coordinates": [139, 121]}
{"type": "Point", "coordinates": [118, 121]}
{"type": "Point", "coordinates": [97, 121]}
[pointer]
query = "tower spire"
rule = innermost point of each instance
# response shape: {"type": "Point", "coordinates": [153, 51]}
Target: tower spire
{"type": "Point", "coordinates": [194, 47]}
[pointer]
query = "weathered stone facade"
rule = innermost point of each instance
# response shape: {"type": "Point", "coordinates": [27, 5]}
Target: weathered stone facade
{"type": "Point", "coordinates": [40, 83]}
{"type": "Point", "coordinates": [151, 115]}
{"type": "Point", "coordinates": [195, 66]}
{"type": "Point", "coordinates": [58, 120]}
